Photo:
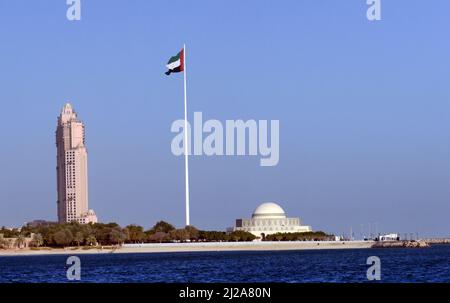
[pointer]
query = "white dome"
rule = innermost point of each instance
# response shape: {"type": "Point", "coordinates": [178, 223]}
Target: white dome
{"type": "Point", "coordinates": [269, 210]}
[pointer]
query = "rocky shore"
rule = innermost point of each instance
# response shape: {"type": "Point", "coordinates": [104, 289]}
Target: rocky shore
{"type": "Point", "coordinates": [438, 241]}
{"type": "Point", "coordinates": [401, 244]}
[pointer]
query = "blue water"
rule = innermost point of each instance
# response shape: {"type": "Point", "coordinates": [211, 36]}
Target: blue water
{"type": "Point", "coordinates": [397, 265]}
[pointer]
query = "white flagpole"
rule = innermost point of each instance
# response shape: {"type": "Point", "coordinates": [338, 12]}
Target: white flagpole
{"type": "Point", "coordinates": [186, 142]}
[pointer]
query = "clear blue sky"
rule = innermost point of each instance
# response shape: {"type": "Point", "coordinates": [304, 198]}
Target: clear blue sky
{"type": "Point", "coordinates": [364, 109]}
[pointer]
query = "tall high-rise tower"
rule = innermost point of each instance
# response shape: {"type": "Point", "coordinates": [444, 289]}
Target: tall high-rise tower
{"type": "Point", "coordinates": [72, 169]}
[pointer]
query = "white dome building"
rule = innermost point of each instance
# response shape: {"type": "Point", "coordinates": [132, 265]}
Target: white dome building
{"type": "Point", "coordinates": [269, 218]}
{"type": "Point", "coordinates": [269, 210]}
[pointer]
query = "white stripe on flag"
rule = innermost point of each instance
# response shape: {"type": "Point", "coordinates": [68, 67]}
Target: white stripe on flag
{"type": "Point", "coordinates": [174, 64]}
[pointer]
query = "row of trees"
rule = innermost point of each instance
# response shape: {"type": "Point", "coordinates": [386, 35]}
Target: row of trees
{"type": "Point", "coordinates": [75, 234]}
{"type": "Point", "coordinates": [9, 233]}
{"type": "Point", "coordinates": [303, 236]}
{"type": "Point", "coordinates": [165, 232]}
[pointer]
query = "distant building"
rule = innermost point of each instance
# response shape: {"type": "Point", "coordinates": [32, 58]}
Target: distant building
{"type": "Point", "coordinates": [37, 223]}
{"type": "Point", "coordinates": [72, 169]}
{"type": "Point", "coordinates": [270, 218]}
{"type": "Point", "coordinates": [389, 237]}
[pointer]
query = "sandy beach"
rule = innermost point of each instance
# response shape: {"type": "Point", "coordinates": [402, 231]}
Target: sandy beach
{"type": "Point", "coordinates": [195, 247]}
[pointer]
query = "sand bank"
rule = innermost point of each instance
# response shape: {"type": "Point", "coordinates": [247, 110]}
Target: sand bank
{"type": "Point", "coordinates": [196, 247]}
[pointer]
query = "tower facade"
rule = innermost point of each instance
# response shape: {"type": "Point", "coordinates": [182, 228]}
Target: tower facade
{"type": "Point", "coordinates": [72, 169]}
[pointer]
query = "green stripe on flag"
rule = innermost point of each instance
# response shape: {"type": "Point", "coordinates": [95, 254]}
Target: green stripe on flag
{"type": "Point", "coordinates": [174, 58]}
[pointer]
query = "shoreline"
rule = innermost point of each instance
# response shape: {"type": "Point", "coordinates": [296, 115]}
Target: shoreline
{"type": "Point", "coordinates": [194, 247]}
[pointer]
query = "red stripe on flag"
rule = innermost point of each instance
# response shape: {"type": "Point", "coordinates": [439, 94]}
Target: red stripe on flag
{"type": "Point", "coordinates": [182, 60]}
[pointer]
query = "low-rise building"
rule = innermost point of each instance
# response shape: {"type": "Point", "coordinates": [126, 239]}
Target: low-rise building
{"type": "Point", "coordinates": [270, 218]}
{"type": "Point", "coordinates": [18, 242]}
{"type": "Point", "coordinates": [389, 237]}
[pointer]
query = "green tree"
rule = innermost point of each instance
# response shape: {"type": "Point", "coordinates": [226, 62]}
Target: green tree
{"type": "Point", "coordinates": [299, 236]}
{"type": "Point", "coordinates": [63, 237]}
{"type": "Point", "coordinates": [102, 232]}
{"type": "Point", "coordinates": [79, 238]}
{"type": "Point", "coordinates": [192, 232]}
{"type": "Point", "coordinates": [159, 237]}
{"type": "Point", "coordinates": [163, 227]}
{"type": "Point", "coordinates": [91, 240]}
{"type": "Point", "coordinates": [9, 233]}
{"type": "Point", "coordinates": [20, 241]}
{"type": "Point", "coordinates": [213, 236]}
{"type": "Point", "coordinates": [37, 240]}
{"type": "Point", "coordinates": [179, 235]}
{"type": "Point", "coordinates": [4, 244]}
{"type": "Point", "coordinates": [117, 236]}
{"type": "Point", "coordinates": [135, 233]}
{"type": "Point", "coordinates": [240, 235]}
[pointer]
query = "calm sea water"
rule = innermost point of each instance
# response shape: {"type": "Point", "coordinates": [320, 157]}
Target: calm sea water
{"type": "Point", "coordinates": [397, 265]}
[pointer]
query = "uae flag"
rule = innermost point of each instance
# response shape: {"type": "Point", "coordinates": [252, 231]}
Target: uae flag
{"type": "Point", "coordinates": [176, 63]}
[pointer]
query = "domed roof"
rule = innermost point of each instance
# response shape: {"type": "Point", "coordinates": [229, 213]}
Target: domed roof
{"type": "Point", "coordinates": [269, 210]}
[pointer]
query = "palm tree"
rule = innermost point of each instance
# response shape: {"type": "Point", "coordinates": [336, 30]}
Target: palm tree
{"type": "Point", "coordinates": [20, 241]}
{"type": "Point", "coordinates": [37, 240]}
{"type": "Point", "coordinates": [3, 242]}
{"type": "Point", "coordinates": [91, 240]}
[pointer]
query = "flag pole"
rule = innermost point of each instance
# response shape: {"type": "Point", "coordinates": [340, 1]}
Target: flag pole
{"type": "Point", "coordinates": [186, 141]}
